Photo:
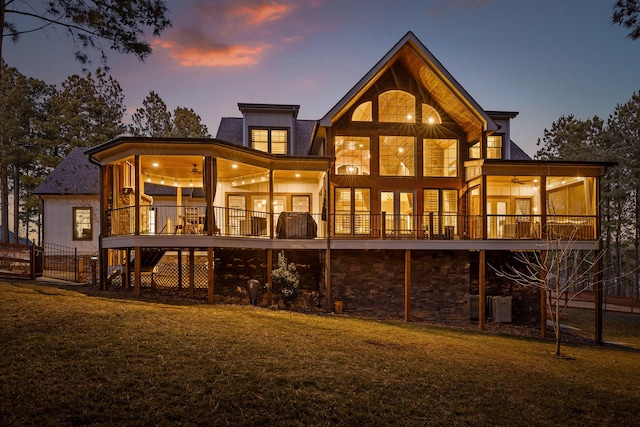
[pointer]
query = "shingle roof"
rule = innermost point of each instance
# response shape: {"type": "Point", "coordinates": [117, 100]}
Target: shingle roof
{"type": "Point", "coordinates": [74, 175]}
{"type": "Point", "coordinates": [518, 153]}
{"type": "Point", "coordinates": [230, 130]}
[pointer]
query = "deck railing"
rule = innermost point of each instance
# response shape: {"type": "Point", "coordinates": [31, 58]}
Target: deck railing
{"type": "Point", "coordinates": [192, 220]}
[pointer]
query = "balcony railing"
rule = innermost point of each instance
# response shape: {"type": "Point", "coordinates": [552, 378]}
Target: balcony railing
{"type": "Point", "coordinates": [192, 220]}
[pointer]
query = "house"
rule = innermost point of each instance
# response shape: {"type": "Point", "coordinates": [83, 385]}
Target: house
{"type": "Point", "coordinates": [394, 203]}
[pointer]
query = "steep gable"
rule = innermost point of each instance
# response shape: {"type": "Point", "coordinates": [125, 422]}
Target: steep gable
{"type": "Point", "coordinates": [425, 69]}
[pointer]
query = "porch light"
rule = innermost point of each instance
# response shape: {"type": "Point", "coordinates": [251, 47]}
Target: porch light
{"type": "Point", "coordinates": [191, 183]}
{"type": "Point", "coordinates": [253, 179]}
{"type": "Point", "coordinates": [234, 166]}
{"type": "Point", "coordinates": [242, 181]}
{"type": "Point", "coordinates": [155, 164]}
{"type": "Point", "coordinates": [162, 180]}
{"type": "Point", "coordinates": [297, 175]}
{"type": "Point", "coordinates": [148, 178]}
{"type": "Point", "coordinates": [262, 178]}
{"type": "Point", "coordinates": [175, 183]}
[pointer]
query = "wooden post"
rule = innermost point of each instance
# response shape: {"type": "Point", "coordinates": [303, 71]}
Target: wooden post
{"type": "Point", "coordinates": [137, 267]}
{"type": "Point", "coordinates": [269, 281]}
{"type": "Point", "coordinates": [598, 299]}
{"type": "Point", "coordinates": [127, 269]}
{"type": "Point", "coordinates": [192, 271]}
{"type": "Point", "coordinates": [179, 269]}
{"type": "Point", "coordinates": [481, 290]}
{"type": "Point", "coordinates": [407, 284]}
{"type": "Point", "coordinates": [543, 299]}
{"type": "Point", "coordinates": [210, 275]}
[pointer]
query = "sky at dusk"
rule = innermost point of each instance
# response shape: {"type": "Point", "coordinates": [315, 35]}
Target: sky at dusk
{"type": "Point", "coordinates": [544, 58]}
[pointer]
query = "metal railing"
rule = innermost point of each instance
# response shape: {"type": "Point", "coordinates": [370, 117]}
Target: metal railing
{"type": "Point", "coordinates": [192, 220]}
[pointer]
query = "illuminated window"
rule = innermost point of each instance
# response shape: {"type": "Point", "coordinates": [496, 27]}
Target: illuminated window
{"type": "Point", "coordinates": [440, 210]}
{"type": "Point", "coordinates": [396, 106]}
{"type": "Point", "coordinates": [474, 151]}
{"type": "Point", "coordinates": [362, 113]}
{"type": "Point", "coordinates": [430, 115]}
{"type": "Point", "coordinates": [494, 147]}
{"type": "Point", "coordinates": [397, 156]}
{"type": "Point", "coordinates": [300, 203]}
{"type": "Point", "coordinates": [274, 141]}
{"type": "Point", "coordinates": [440, 157]}
{"type": "Point", "coordinates": [353, 155]}
{"type": "Point", "coordinates": [82, 223]}
{"type": "Point", "coordinates": [353, 211]}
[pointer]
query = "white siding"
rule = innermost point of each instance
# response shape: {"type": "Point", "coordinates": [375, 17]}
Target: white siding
{"type": "Point", "coordinates": [58, 222]}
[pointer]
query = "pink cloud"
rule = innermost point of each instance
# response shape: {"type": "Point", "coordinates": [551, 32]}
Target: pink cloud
{"type": "Point", "coordinates": [260, 13]}
{"type": "Point", "coordinates": [214, 55]}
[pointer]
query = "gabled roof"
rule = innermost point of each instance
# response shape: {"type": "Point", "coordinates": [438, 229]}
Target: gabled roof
{"type": "Point", "coordinates": [518, 153]}
{"type": "Point", "coordinates": [428, 71]}
{"type": "Point", "coordinates": [75, 175]}
{"type": "Point", "coordinates": [20, 241]}
{"type": "Point", "coordinates": [230, 130]}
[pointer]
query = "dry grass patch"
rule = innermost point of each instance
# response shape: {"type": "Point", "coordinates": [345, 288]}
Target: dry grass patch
{"type": "Point", "coordinates": [67, 358]}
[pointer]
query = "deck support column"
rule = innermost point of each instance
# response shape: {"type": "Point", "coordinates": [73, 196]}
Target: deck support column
{"type": "Point", "coordinates": [192, 263]}
{"type": "Point", "coordinates": [269, 281]}
{"type": "Point", "coordinates": [407, 284]}
{"type": "Point", "coordinates": [179, 269]}
{"type": "Point", "coordinates": [137, 267]}
{"type": "Point", "coordinates": [481, 289]}
{"type": "Point", "coordinates": [598, 299]}
{"type": "Point", "coordinates": [127, 269]}
{"type": "Point", "coordinates": [210, 276]}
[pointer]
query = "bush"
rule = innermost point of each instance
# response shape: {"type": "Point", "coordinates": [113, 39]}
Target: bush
{"type": "Point", "coordinates": [285, 279]}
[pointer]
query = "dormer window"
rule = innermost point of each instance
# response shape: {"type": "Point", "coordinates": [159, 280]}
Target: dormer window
{"type": "Point", "coordinates": [494, 147]}
{"type": "Point", "coordinates": [396, 106]}
{"type": "Point", "coordinates": [269, 140]}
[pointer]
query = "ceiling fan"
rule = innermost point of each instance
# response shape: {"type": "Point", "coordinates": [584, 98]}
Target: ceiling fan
{"type": "Point", "coordinates": [195, 170]}
{"type": "Point", "coordinates": [516, 180]}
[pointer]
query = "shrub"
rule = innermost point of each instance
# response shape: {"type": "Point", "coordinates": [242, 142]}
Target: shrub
{"type": "Point", "coordinates": [285, 279]}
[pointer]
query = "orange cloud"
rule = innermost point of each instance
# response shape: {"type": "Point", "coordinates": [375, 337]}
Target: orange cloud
{"type": "Point", "coordinates": [218, 55]}
{"type": "Point", "coordinates": [261, 13]}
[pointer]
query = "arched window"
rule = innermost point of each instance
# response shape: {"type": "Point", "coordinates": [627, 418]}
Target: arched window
{"type": "Point", "coordinates": [397, 106]}
{"type": "Point", "coordinates": [362, 113]}
{"type": "Point", "coordinates": [430, 115]}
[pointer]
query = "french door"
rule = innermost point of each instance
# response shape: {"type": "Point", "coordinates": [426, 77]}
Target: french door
{"type": "Point", "coordinates": [398, 208]}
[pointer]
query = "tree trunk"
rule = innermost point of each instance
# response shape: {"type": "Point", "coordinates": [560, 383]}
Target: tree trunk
{"type": "Point", "coordinates": [4, 204]}
{"type": "Point", "coordinates": [16, 205]}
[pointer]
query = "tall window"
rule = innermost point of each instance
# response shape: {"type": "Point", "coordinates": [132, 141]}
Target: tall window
{"type": "Point", "coordinates": [396, 106]}
{"type": "Point", "coordinates": [274, 141]}
{"type": "Point", "coordinates": [440, 211]}
{"type": "Point", "coordinates": [353, 210]}
{"type": "Point", "coordinates": [397, 156]}
{"type": "Point", "coordinates": [353, 155]}
{"type": "Point", "coordinates": [494, 147]}
{"type": "Point", "coordinates": [440, 157]}
{"type": "Point", "coordinates": [82, 223]}
{"type": "Point", "coordinates": [474, 151]}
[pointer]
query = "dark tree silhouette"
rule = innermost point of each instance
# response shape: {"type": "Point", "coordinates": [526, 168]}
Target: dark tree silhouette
{"type": "Point", "coordinates": [627, 14]}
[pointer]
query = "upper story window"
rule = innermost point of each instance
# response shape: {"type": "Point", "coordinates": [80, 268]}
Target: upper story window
{"type": "Point", "coordinates": [353, 155]}
{"type": "Point", "coordinates": [397, 156]}
{"type": "Point", "coordinates": [430, 115]}
{"type": "Point", "coordinates": [494, 147]}
{"type": "Point", "coordinates": [362, 113]}
{"type": "Point", "coordinates": [82, 223]}
{"type": "Point", "coordinates": [396, 106]}
{"type": "Point", "coordinates": [474, 151]}
{"type": "Point", "coordinates": [274, 141]}
{"type": "Point", "coordinates": [440, 157]}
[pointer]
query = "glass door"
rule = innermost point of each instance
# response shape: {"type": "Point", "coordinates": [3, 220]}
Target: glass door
{"type": "Point", "coordinates": [398, 209]}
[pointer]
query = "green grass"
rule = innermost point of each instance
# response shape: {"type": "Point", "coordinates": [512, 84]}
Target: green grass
{"type": "Point", "coordinates": [620, 328]}
{"type": "Point", "coordinates": [68, 358]}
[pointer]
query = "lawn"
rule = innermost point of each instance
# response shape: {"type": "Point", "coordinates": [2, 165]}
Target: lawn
{"type": "Point", "coordinates": [68, 358]}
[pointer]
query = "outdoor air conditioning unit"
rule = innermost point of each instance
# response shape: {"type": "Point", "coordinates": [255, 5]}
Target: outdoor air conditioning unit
{"type": "Point", "coordinates": [501, 309]}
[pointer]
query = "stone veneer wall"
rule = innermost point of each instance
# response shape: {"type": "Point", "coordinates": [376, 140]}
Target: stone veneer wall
{"type": "Point", "coordinates": [372, 282]}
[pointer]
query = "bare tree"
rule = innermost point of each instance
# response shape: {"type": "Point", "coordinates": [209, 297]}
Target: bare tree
{"type": "Point", "coordinates": [557, 268]}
